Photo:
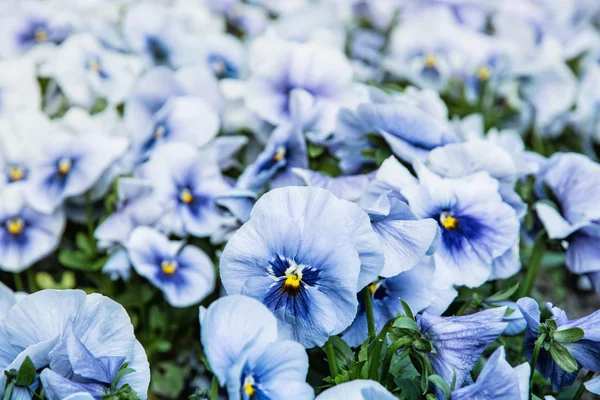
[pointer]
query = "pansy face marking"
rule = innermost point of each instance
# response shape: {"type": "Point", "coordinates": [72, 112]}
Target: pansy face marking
{"type": "Point", "coordinates": [15, 226]}
{"type": "Point", "coordinates": [16, 173]}
{"type": "Point", "coordinates": [169, 267]}
{"type": "Point", "coordinates": [279, 154]}
{"type": "Point", "coordinates": [448, 221]}
{"type": "Point", "coordinates": [64, 166]}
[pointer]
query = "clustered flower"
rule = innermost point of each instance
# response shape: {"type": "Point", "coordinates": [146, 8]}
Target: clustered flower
{"type": "Point", "coordinates": [374, 182]}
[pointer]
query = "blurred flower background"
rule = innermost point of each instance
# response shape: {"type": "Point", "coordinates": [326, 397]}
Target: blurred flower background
{"type": "Point", "coordinates": [212, 199]}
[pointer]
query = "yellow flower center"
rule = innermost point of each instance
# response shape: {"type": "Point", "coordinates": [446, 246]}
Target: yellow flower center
{"type": "Point", "coordinates": [40, 35]}
{"type": "Point", "coordinates": [16, 173]}
{"type": "Point", "coordinates": [64, 166]}
{"type": "Point", "coordinates": [186, 196]}
{"type": "Point", "coordinates": [483, 73]}
{"type": "Point", "coordinates": [94, 65]}
{"type": "Point", "coordinates": [279, 154]}
{"type": "Point", "coordinates": [159, 132]}
{"type": "Point", "coordinates": [373, 287]}
{"type": "Point", "coordinates": [249, 386]}
{"type": "Point", "coordinates": [430, 61]}
{"type": "Point", "coordinates": [293, 277]}
{"type": "Point", "coordinates": [448, 221]}
{"type": "Point", "coordinates": [15, 226]}
{"type": "Point", "coordinates": [169, 267]}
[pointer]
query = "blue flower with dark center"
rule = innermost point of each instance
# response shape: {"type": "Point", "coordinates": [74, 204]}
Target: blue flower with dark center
{"type": "Point", "coordinates": [185, 182]}
{"type": "Point", "coordinates": [282, 256]}
{"type": "Point", "coordinates": [25, 234]}
{"type": "Point", "coordinates": [222, 67]}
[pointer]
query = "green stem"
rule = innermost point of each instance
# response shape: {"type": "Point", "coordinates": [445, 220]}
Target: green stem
{"type": "Point", "coordinates": [214, 389]}
{"type": "Point", "coordinates": [18, 282]}
{"type": "Point", "coordinates": [369, 311]}
{"type": "Point", "coordinates": [581, 389]}
{"type": "Point", "coordinates": [89, 213]}
{"type": "Point", "coordinates": [534, 263]}
{"type": "Point", "coordinates": [463, 308]}
{"type": "Point", "coordinates": [394, 347]}
{"type": "Point", "coordinates": [536, 352]}
{"type": "Point", "coordinates": [330, 351]}
{"type": "Point", "coordinates": [374, 358]}
{"type": "Point", "coordinates": [31, 281]}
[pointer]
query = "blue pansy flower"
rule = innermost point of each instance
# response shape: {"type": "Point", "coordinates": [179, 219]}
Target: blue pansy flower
{"type": "Point", "coordinates": [282, 257]}
{"type": "Point", "coordinates": [68, 166]}
{"type": "Point", "coordinates": [415, 287]}
{"type": "Point", "coordinates": [593, 385]}
{"type": "Point", "coordinates": [185, 182]}
{"type": "Point", "coordinates": [7, 300]}
{"type": "Point", "coordinates": [30, 25]}
{"type": "Point", "coordinates": [224, 54]}
{"type": "Point", "coordinates": [459, 341]}
{"type": "Point", "coordinates": [405, 239]}
{"type": "Point", "coordinates": [285, 150]}
{"type": "Point", "coordinates": [184, 273]}
{"type": "Point", "coordinates": [585, 351]}
{"type": "Point", "coordinates": [77, 347]}
{"type": "Point", "coordinates": [86, 71]}
{"type": "Point", "coordinates": [168, 106]}
{"type": "Point", "coordinates": [26, 236]}
{"type": "Point", "coordinates": [280, 69]}
{"type": "Point", "coordinates": [360, 389]}
{"type": "Point", "coordinates": [19, 87]}
{"type": "Point", "coordinates": [20, 136]}
{"type": "Point", "coordinates": [573, 182]}
{"type": "Point", "coordinates": [239, 337]}
{"type": "Point", "coordinates": [476, 226]}
{"type": "Point", "coordinates": [516, 322]}
{"type": "Point", "coordinates": [498, 380]}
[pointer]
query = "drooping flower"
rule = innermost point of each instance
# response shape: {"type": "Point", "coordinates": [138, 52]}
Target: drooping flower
{"type": "Point", "coordinates": [68, 166]}
{"type": "Point", "coordinates": [497, 381]}
{"type": "Point", "coordinates": [476, 226]}
{"type": "Point", "coordinates": [585, 351]}
{"type": "Point", "coordinates": [26, 236]}
{"type": "Point", "coordinates": [360, 389]}
{"type": "Point", "coordinates": [572, 181]}
{"type": "Point", "coordinates": [185, 183]}
{"type": "Point", "coordinates": [184, 273]}
{"type": "Point", "coordinates": [239, 337]}
{"type": "Point", "coordinates": [78, 346]}
{"type": "Point", "coordinates": [459, 341]}
{"type": "Point", "coordinates": [282, 257]}
{"type": "Point", "coordinates": [416, 287]}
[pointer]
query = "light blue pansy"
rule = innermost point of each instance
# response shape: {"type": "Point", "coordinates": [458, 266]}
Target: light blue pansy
{"type": "Point", "coordinates": [70, 165]}
{"type": "Point", "coordinates": [81, 327]}
{"type": "Point", "coordinates": [185, 183]}
{"type": "Point", "coordinates": [360, 389]}
{"type": "Point", "coordinates": [26, 236]}
{"type": "Point", "coordinates": [282, 257]}
{"type": "Point", "coordinates": [239, 337]}
{"type": "Point", "coordinates": [184, 273]}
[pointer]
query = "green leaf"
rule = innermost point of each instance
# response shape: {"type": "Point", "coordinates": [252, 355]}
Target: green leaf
{"type": "Point", "coordinates": [26, 374]}
{"type": "Point", "coordinates": [568, 335]}
{"type": "Point", "coordinates": [440, 383]}
{"type": "Point", "coordinates": [315, 151]}
{"type": "Point", "coordinates": [407, 310]}
{"type": "Point", "coordinates": [168, 380]}
{"type": "Point", "coordinates": [74, 259]}
{"type": "Point", "coordinates": [504, 294]}
{"type": "Point", "coordinates": [86, 245]}
{"type": "Point", "coordinates": [410, 389]}
{"type": "Point", "coordinates": [343, 353]}
{"type": "Point", "coordinates": [406, 323]}
{"type": "Point", "coordinates": [123, 371]}
{"type": "Point", "coordinates": [563, 358]}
